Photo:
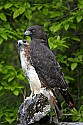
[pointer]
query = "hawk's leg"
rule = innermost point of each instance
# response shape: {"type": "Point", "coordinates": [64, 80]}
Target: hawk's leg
{"type": "Point", "coordinates": [33, 92]}
{"type": "Point", "coordinates": [56, 108]}
{"type": "Point", "coordinates": [29, 97]}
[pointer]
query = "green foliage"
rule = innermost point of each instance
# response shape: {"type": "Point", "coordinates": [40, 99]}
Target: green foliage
{"type": "Point", "coordinates": [63, 21]}
{"type": "Point", "coordinates": [74, 114]}
{"type": "Point", "coordinates": [77, 115]}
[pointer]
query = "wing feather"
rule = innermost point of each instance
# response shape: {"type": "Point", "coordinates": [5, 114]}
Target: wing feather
{"type": "Point", "coordinates": [46, 65]}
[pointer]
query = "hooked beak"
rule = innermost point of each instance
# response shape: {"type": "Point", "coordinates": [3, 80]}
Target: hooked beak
{"type": "Point", "coordinates": [18, 47]}
{"type": "Point", "coordinates": [27, 33]}
{"type": "Point", "coordinates": [19, 43]}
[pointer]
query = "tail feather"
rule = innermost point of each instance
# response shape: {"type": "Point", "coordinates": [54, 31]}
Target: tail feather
{"type": "Point", "coordinates": [67, 97]}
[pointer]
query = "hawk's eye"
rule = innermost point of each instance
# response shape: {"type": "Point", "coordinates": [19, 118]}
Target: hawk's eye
{"type": "Point", "coordinates": [33, 30]}
{"type": "Point", "coordinates": [24, 41]}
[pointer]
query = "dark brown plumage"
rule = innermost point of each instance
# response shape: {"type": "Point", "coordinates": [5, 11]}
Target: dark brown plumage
{"type": "Point", "coordinates": [45, 64]}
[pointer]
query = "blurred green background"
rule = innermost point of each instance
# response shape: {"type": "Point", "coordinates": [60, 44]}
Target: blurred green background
{"type": "Point", "coordinates": [63, 22]}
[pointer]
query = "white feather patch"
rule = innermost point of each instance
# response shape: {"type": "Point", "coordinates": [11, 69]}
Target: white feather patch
{"type": "Point", "coordinates": [30, 73]}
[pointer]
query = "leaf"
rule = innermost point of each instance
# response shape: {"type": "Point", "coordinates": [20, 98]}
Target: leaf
{"type": "Point", "coordinates": [11, 78]}
{"type": "Point", "coordinates": [55, 14]}
{"type": "Point", "coordinates": [4, 36]}
{"type": "Point", "coordinates": [80, 57]}
{"type": "Point", "coordinates": [1, 87]}
{"type": "Point", "coordinates": [76, 39]}
{"type": "Point", "coordinates": [10, 67]}
{"type": "Point", "coordinates": [45, 11]}
{"type": "Point", "coordinates": [16, 14]}
{"type": "Point", "coordinates": [66, 26]}
{"type": "Point", "coordinates": [69, 78]}
{"type": "Point", "coordinates": [20, 87]}
{"type": "Point", "coordinates": [21, 10]}
{"type": "Point", "coordinates": [56, 27]}
{"type": "Point", "coordinates": [58, 37]}
{"type": "Point", "coordinates": [73, 66]}
{"type": "Point", "coordinates": [1, 40]}
{"type": "Point", "coordinates": [20, 76]}
{"type": "Point", "coordinates": [8, 5]}
{"type": "Point", "coordinates": [2, 16]}
{"type": "Point", "coordinates": [70, 59]}
{"type": "Point", "coordinates": [79, 18]}
{"type": "Point", "coordinates": [1, 7]}
{"type": "Point", "coordinates": [16, 92]}
{"type": "Point", "coordinates": [39, 7]}
{"type": "Point", "coordinates": [74, 111]}
{"type": "Point", "coordinates": [7, 76]}
{"type": "Point", "coordinates": [28, 5]}
{"type": "Point", "coordinates": [70, 19]}
{"type": "Point", "coordinates": [63, 45]}
{"type": "Point", "coordinates": [10, 120]}
{"type": "Point", "coordinates": [28, 14]}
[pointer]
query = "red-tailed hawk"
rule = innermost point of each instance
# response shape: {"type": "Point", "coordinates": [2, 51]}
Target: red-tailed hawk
{"type": "Point", "coordinates": [45, 64]}
{"type": "Point", "coordinates": [36, 85]}
{"type": "Point", "coordinates": [28, 69]}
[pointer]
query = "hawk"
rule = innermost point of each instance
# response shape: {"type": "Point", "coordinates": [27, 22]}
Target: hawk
{"type": "Point", "coordinates": [31, 74]}
{"type": "Point", "coordinates": [45, 63]}
{"type": "Point", "coordinates": [28, 69]}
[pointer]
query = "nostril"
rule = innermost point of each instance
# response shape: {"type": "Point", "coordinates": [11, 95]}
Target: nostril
{"type": "Point", "coordinates": [24, 41]}
{"type": "Point", "coordinates": [19, 42]}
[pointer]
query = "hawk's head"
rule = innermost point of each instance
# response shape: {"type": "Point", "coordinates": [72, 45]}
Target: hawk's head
{"type": "Point", "coordinates": [36, 32]}
{"type": "Point", "coordinates": [22, 44]}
